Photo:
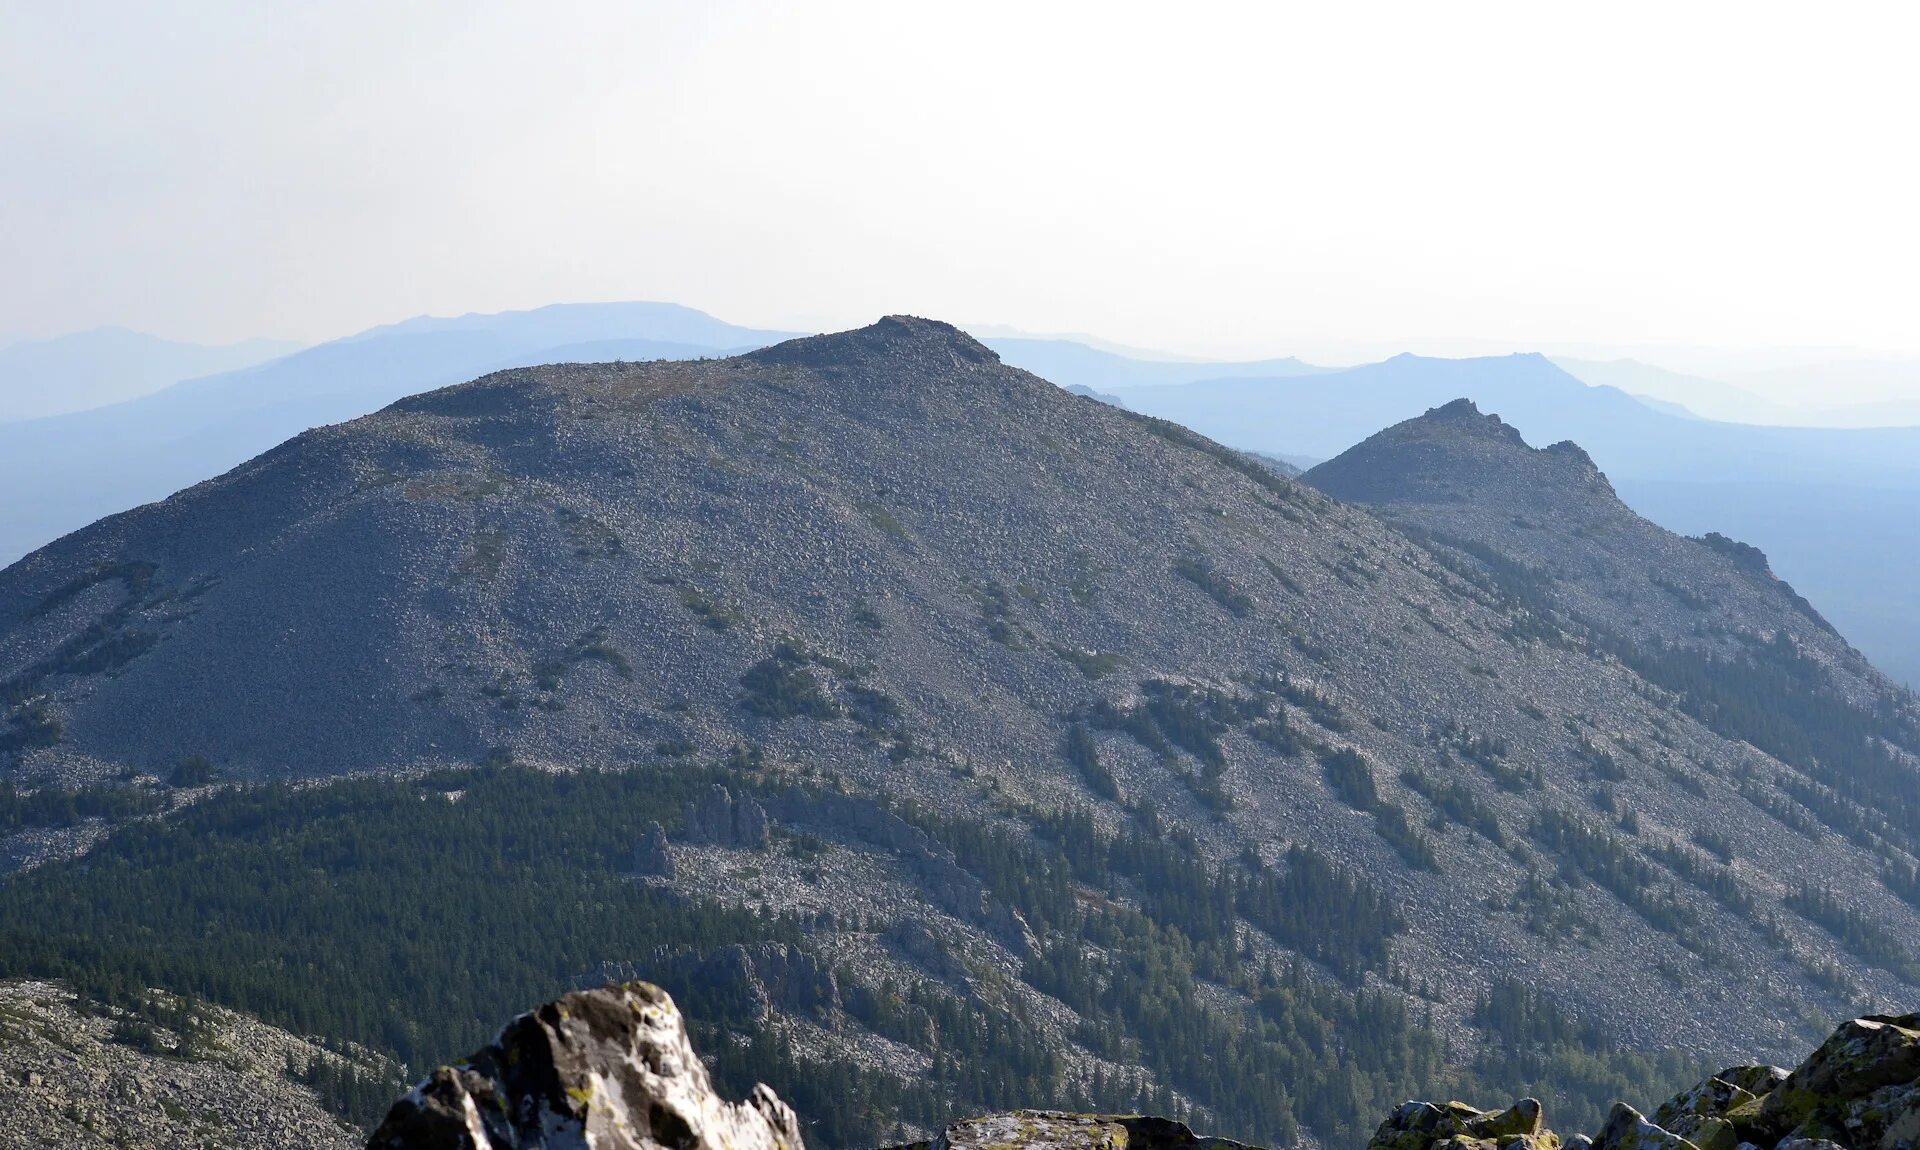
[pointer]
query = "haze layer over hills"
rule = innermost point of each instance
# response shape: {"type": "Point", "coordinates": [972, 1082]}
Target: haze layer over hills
{"type": "Point", "coordinates": [108, 365]}
{"type": "Point", "coordinates": [75, 468]}
{"type": "Point", "coordinates": [1058, 745]}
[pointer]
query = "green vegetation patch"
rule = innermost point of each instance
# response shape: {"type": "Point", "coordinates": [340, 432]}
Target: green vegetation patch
{"type": "Point", "coordinates": [1615, 865]}
{"type": "Point", "coordinates": [1576, 1068]}
{"type": "Point", "coordinates": [1863, 937]}
{"type": "Point", "coordinates": [1199, 570]}
{"type": "Point", "coordinates": [59, 807]}
{"type": "Point", "coordinates": [782, 686]}
{"type": "Point", "coordinates": [1092, 664]}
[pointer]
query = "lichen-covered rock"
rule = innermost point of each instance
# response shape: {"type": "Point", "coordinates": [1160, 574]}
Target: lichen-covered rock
{"type": "Point", "coordinates": [1859, 1091]}
{"type": "Point", "coordinates": [1863, 1055]}
{"type": "Point", "coordinates": [1848, 1091]}
{"type": "Point", "coordinates": [1055, 1130]}
{"type": "Point", "coordinates": [1755, 1080]}
{"type": "Point", "coordinates": [1711, 1099]}
{"type": "Point", "coordinates": [1903, 1125]}
{"type": "Point", "coordinates": [1628, 1129]}
{"type": "Point", "coordinates": [1457, 1126]}
{"type": "Point", "coordinates": [609, 1069]}
{"type": "Point", "coordinates": [1699, 1115]}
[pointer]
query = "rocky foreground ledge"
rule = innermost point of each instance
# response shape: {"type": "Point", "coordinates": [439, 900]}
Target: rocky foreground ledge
{"type": "Point", "coordinates": [612, 1069]}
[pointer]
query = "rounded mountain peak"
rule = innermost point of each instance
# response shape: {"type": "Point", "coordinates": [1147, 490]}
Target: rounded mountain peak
{"type": "Point", "coordinates": [893, 342]}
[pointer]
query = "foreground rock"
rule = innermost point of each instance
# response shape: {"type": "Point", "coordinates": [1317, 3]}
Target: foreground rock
{"type": "Point", "coordinates": [612, 1068]}
{"type": "Point", "coordinates": [1457, 1126]}
{"type": "Point", "coordinates": [1859, 1091]}
{"type": "Point", "coordinates": [609, 1068]}
{"type": "Point", "coordinates": [1055, 1130]}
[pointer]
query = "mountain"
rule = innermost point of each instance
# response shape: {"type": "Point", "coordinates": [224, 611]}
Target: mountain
{"type": "Point", "coordinates": [558, 325]}
{"type": "Point", "coordinates": [81, 466]}
{"type": "Point", "coordinates": [1701, 397]}
{"type": "Point", "coordinates": [108, 365]}
{"type": "Point", "coordinates": [1690, 474]}
{"type": "Point", "coordinates": [947, 742]}
{"type": "Point", "coordinates": [1088, 392]}
{"type": "Point", "coordinates": [1070, 364]}
{"type": "Point", "coordinates": [1788, 405]}
{"type": "Point", "coordinates": [1470, 480]}
{"type": "Point", "coordinates": [1862, 380]}
{"type": "Point", "coordinates": [1322, 415]}
{"type": "Point", "coordinates": [1847, 546]}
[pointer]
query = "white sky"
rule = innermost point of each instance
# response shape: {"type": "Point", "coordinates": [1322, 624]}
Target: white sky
{"type": "Point", "coordinates": [1212, 178]}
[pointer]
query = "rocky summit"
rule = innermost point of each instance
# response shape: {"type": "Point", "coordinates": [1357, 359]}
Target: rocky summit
{"type": "Point", "coordinates": [1465, 480]}
{"type": "Point", "coordinates": [949, 743]}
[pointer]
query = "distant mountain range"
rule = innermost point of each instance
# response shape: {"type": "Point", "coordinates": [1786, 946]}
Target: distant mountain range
{"type": "Point", "coordinates": [1760, 397]}
{"type": "Point", "coordinates": [76, 468]}
{"type": "Point", "coordinates": [1071, 364]}
{"type": "Point", "coordinates": [107, 365]}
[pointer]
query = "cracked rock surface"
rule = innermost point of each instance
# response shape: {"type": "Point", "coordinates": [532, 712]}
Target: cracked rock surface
{"type": "Point", "coordinates": [606, 1069]}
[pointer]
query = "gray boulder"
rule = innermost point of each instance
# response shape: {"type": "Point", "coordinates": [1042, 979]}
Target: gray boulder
{"type": "Point", "coordinates": [609, 1068]}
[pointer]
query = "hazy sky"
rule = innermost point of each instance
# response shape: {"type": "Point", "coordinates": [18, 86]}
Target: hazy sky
{"type": "Point", "coordinates": [1211, 178]}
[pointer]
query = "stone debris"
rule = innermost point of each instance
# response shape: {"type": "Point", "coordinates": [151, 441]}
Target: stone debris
{"type": "Point", "coordinates": [1056, 1130]}
{"type": "Point", "coordinates": [1859, 1091]}
{"type": "Point", "coordinates": [1457, 1126]}
{"type": "Point", "coordinates": [68, 1079]}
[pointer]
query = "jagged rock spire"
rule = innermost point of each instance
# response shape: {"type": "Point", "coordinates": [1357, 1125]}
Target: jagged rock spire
{"type": "Point", "coordinates": [610, 1069]}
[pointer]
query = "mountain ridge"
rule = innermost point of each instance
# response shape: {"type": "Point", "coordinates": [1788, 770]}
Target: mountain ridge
{"type": "Point", "coordinates": [1033, 696]}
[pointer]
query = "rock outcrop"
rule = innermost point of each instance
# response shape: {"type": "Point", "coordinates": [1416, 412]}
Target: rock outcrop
{"type": "Point", "coordinates": [722, 820]}
{"type": "Point", "coordinates": [1457, 1126]}
{"type": "Point", "coordinates": [1859, 1091]}
{"type": "Point", "coordinates": [609, 1068]}
{"type": "Point", "coordinates": [652, 856]}
{"type": "Point", "coordinates": [1056, 1130]}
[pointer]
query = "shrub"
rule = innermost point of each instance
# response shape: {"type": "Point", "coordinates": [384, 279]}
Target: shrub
{"type": "Point", "coordinates": [193, 771]}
